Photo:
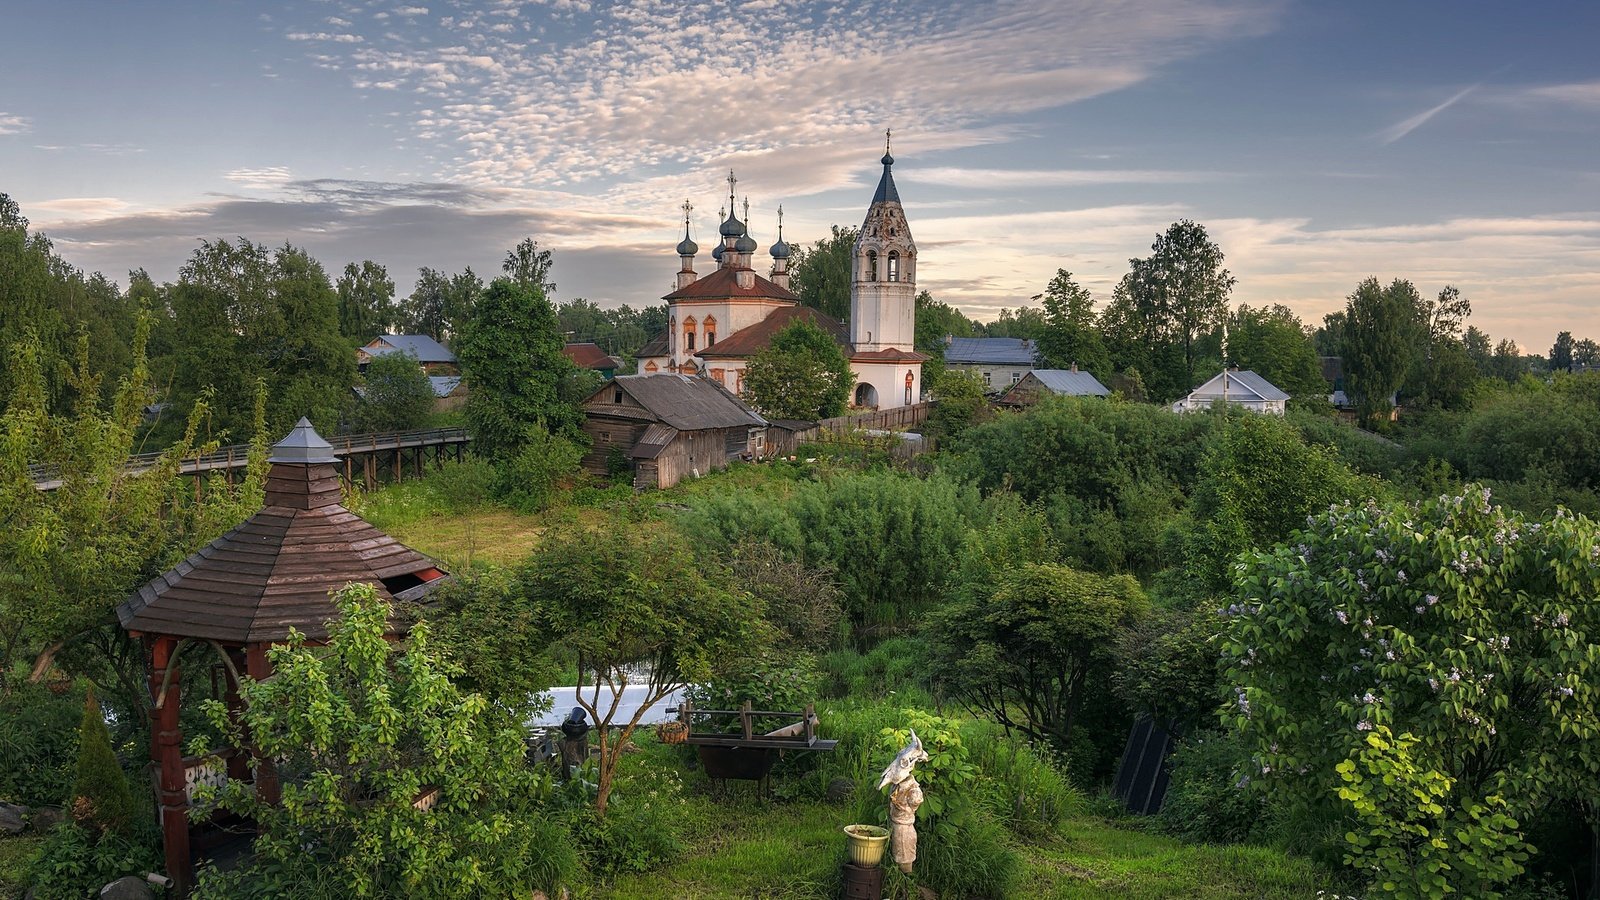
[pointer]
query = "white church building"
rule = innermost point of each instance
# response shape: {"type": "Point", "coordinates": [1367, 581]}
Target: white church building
{"type": "Point", "coordinates": [717, 322]}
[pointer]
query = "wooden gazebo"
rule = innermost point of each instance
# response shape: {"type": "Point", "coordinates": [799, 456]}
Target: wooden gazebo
{"type": "Point", "coordinates": [243, 593]}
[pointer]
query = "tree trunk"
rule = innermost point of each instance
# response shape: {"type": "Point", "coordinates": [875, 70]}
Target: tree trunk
{"type": "Point", "coordinates": [41, 663]}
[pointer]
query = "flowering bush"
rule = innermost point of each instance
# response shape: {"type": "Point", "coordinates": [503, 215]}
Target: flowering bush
{"type": "Point", "coordinates": [1432, 669]}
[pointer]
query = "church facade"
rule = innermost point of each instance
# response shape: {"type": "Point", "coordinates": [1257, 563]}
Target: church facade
{"type": "Point", "coordinates": [717, 322]}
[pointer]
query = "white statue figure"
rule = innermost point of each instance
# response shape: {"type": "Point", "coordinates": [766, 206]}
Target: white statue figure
{"type": "Point", "coordinates": [903, 802]}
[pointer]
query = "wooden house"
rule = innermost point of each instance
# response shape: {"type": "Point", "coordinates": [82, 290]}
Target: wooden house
{"type": "Point", "coordinates": [588, 355]}
{"type": "Point", "coordinates": [1061, 382]}
{"type": "Point", "coordinates": [664, 428]}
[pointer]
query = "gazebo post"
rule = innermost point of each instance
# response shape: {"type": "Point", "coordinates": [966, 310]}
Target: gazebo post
{"type": "Point", "coordinates": [258, 668]}
{"type": "Point", "coordinates": [166, 752]}
{"type": "Point", "coordinates": [238, 765]}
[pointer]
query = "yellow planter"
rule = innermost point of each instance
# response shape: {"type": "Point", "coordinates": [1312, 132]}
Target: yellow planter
{"type": "Point", "coordinates": [866, 843]}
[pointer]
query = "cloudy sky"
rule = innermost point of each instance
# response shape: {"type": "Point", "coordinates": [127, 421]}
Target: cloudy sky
{"type": "Point", "coordinates": [1320, 143]}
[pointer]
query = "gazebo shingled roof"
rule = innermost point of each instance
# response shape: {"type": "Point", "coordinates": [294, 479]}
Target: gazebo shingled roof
{"type": "Point", "coordinates": [277, 569]}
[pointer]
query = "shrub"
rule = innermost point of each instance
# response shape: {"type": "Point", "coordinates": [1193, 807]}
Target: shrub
{"type": "Point", "coordinates": [101, 798]}
{"type": "Point", "coordinates": [396, 396]}
{"type": "Point", "coordinates": [74, 862]}
{"type": "Point", "coordinates": [641, 829]}
{"type": "Point", "coordinates": [1019, 784]}
{"type": "Point", "coordinates": [528, 481]}
{"type": "Point", "coordinates": [896, 666]}
{"type": "Point", "coordinates": [1208, 795]}
{"type": "Point", "coordinates": [38, 743]}
{"type": "Point", "coordinates": [782, 681]}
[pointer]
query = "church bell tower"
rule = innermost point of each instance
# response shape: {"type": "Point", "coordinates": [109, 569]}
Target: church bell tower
{"type": "Point", "coordinates": [883, 282]}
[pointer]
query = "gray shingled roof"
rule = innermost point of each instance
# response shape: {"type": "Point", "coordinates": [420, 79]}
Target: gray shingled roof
{"type": "Point", "coordinates": [990, 351]}
{"type": "Point", "coordinates": [686, 403]}
{"type": "Point", "coordinates": [1236, 383]}
{"type": "Point", "coordinates": [1070, 383]}
{"type": "Point", "coordinates": [424, 348]}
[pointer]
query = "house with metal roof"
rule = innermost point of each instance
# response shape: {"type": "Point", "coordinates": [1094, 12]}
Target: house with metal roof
{"type": "Point", "coordinates": [1060, 382]}
{"type": "Point", "coordinates": [1240, 388]}
{"type": "Point", "coordinates": [431, 354]}
{"type": "Point", "coordinates": [588, 355]}
{"type": "Point", "coordinates": [664, 428]}
{"type": "Point", "coordinates": [1000, 362]}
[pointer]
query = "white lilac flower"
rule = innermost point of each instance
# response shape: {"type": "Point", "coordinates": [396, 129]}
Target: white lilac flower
{"type": "Point", "coordinates": [1363, 725]}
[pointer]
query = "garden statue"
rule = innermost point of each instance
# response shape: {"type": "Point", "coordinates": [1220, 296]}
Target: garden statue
{"type": "Point", "coordinates": [575, 742]}
{"type": "Point", "coordinates": [903, 802]}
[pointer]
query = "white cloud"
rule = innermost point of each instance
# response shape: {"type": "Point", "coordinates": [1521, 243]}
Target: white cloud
{"type": "Point", "coordinates": [1001, 179]}
{"type": "Point", "coordinates": [10, 124]}
{"type": "Point", "coordinates": [411, 10]}
{"type": "Point", "coordinates": [1583, 93]}
{"type": "Point", "coordinates": [324, 36]}
{"type": "Point", "coordinates": [1405, 126]}
{"type": "Point", "coordinates": [264, 178]}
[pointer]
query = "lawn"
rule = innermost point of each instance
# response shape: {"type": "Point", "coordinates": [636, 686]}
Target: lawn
{"type": "Point", "coordinates": [15, 851]}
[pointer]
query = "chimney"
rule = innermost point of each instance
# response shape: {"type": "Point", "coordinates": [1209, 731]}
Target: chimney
{"type": "Point", "coordinates": [1074, 365]}
{"type": "Point", "coordinates": [949, 339]}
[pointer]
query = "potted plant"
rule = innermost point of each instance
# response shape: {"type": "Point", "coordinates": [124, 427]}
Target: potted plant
{"type": "Point", "coordinates": [866, 843]}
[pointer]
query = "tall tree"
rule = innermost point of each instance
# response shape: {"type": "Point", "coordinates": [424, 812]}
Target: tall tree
{"type": "Point", "coordinates": [1480, 349]}
{"type": "Point", "coordinates": [309, 369]}
{"type": "Point", "coordinates": [528, 265]}
{"type": "Point", "coordinates": [1561, 353]}
{"type": "Point", "coordinates": [1586, 353]}
{"type": "Point", "coordinates": [1329, 338]}
{"type": "Point", "coordinates": [821, 273]}
{"type": "Point", "coordinates": [1025, 323]}
{"type": "Point", "coordinates": [510, 353]}
{"type": "Point", "coordinates": [937, 320]}
{"type": "Point", "coordinates": [1508, 363]}
{"type": "Point", "coordinates": [1182, 287]}
{"type": "Point", "coordinates": [366, 301]}
{"type": "Point", "coordinates": [1070, 337]}
{"type": "Point", "coordinates": [427, 310]}
{"type": "Point", "coordinates": [1383, 334]}
{"type": "Point", "coordinates": [802, 374]}
{"type": "Point", "coordinates": [1271, 342]}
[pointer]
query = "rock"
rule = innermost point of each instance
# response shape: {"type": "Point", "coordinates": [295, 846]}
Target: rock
{"type": "Point", "coordinates": [11, 818]}
{"type": "Point", "coordinates": [127, 888]}
{"type": "Point", "coordinates": [45, 818]}
{"type": "Point", "coordinates": [926, 893]}
{"type": "Point", "coordinates": [840, 789]}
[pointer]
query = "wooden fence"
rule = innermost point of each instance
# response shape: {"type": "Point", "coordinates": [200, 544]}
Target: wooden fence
{"type": "Point", "coordinates": [783, 442]}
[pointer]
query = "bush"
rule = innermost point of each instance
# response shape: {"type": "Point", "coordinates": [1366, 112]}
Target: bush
{"type": "Point", "coordinates": [781, 681]}
{"type": "Point", "coordinates": [641, 828]}
{"type": "Point", "coordinates": [1209, 798]}
{"type": "Point", "coordinates": [1019, 784]}
{"type": "Point", "coordinates": [896, 666]}
{"type": "Point", "coordinates": [396, 396]}
{"type": "Point", "coordinates": [74, 862]}
{"type": "Point", "coordinates": [101, 798]}
{"type": "Point", "coordinates": [529, 480]}
{"type": "Point", "coordinates": [38, 743]}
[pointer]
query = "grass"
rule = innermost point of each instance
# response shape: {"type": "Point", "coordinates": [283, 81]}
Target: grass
{"type": "Point", "coordinates": [15, 851]}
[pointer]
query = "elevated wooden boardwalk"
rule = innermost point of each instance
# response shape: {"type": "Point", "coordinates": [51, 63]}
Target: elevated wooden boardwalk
{"type": "Point", "coordinates": [363, 455]}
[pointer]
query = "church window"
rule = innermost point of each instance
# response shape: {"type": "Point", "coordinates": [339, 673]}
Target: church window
{"type": "Point", "coordinates": [872, 265]}
{"type": "Point", "coordinates": [909, 381]}
{"type": "Point", "coordinates": [688, 333]}
{"type": "Point", "coordinates": [711, 330]}
{"type": "Point", "coordinates": [894, 265]}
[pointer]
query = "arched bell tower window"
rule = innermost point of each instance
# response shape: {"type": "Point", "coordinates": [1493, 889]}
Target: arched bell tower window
{"type": "Point", "coordinates": [872, 265]}
{"type": "Point", "coordinates": [688, 333]}
{"type": "Point", "coordinates": [710, 326]}
{"type": "Point", "coordinates": [894, 265]}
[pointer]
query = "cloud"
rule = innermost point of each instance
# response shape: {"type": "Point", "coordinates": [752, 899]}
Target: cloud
{"type": "Point", "coordinates": [263, 178]}
{"type": "Point", "coordinates": [324, 36]}
{"type": "Point", "coordinates": [1583, 93]}
{"type": "Point", "coordinates": [1036, 178]}
{"type": "Point", "coordinates": [10, 124]}
{"type": "Point", "coordinates": [1405, 126]}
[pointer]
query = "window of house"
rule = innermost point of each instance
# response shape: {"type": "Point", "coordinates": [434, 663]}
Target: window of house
{"type": "Point", "coordinates": [605, 435]}
{"type": "Point", "coordinates": [894, 265]}
{"type": "Point", "coordinates": [616, 396]}
{"type": "Point", "coordinates": [688, 340]}
{"type": "Point", "coordinates": [710, 325]}
{"type": "Point", "coordinates": [872, 265]}
{"type": "Point", "coordinates": [1016, 377]}
{"type": "Point", "coordinates": [988, 379]}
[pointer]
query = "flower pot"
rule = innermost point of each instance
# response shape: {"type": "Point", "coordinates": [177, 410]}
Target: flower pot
{"type": "Point", "coordinates": [672, 732]}
{"type": "Point", "coordinates": [866, 843]}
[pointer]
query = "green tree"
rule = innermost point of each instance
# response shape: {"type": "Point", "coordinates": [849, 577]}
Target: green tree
{"type": "Point", "coordinates": [1586, 353]}
{"type": "Point", "coordinates": [1329, 337]}
{"type": "Point", "coordinates": [961, 401]}
{"type": "Point", "coordinates": [427, 310]}
{"type": "Point", "coordinates": [1181, 289]}
{"type": "Point", "coordinates": [1271, 342]}
{"type": "Point", "coordinates": [937, 320]}
{"type": "Point", "coordinates": [644, 611]}
{"type": "Point", "coordinates": [1070, 337]}
{"type": "Point", "coordinates": [308, 368]}
{"type": "Point", "coordinates": [359, 730]}
{"type": "Point", "coordinates": [396, 394]}
{"type": "Point", "coordinates": [510, 353]}
{"type": "Point", "coordinates": [1479, 348]}
{"type": "Point", "coordinates": [101, 798]}
{"type": "Point", "coordinates": [821, 273]}
{"type": "Point", "coordinates": [1561, 353]}
{"type": "Point", "coordinates": [366, 301]}
{"type": "Point", "coordinates": [802, 373]}
{"type": "Point", "coordinates": [1508, 363]}
{"type": "Point", "coordinates": [1030, 648]}
{"type": "Point", "coordinates": [1421, 663]}
{"type": "Point", "coordinates": [528, 265]}
{"type": "Point", "coordinates": [1025, 323]}
{"type": "Point", "coordinates": [1383, 335]}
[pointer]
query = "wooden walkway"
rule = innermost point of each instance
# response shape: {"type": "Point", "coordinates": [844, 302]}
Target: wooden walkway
{"type": "Point", "coordinates": [362, 455]}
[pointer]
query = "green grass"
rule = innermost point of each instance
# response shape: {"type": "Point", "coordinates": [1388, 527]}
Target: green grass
{"type": "Point", "coordinates": [15, 851]}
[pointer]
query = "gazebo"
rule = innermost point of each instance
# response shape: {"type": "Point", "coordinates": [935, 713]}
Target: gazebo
{"type": "Point", "coordinates": [243, 593]}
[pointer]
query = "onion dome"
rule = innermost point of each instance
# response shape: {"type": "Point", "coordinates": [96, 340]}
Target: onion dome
{"type": "Point", "coordinates": [780, 250]}
{"type": "Point", "coordinates": [716, 253]}
{"type": "Point", "coordinates": [687, 247]}
{"type": "Point", "coordinates": [745, 243]}
{"type": "Point", "coordinates": [732, 227]}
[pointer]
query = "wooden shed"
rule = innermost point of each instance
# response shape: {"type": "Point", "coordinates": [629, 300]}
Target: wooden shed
{"type": "Point", "coordinates": [241, 594]}
{"type": "Point", "coordinates": [664, 428]}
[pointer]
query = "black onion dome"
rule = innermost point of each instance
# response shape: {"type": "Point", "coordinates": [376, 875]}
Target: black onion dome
{"type": "Point", "coordinates": [716, 253]}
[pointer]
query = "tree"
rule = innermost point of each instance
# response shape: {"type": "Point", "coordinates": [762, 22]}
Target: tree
{"type": "Point", "coordinates": [1383, 334]}
{"type": "Point", "coordinates": [802, 374]}
{"type": "Point", "coordinates": [528, 265]}
{"type": "Point", "coordinates": [309, 370]}
{"type": "Point", "coordinates": [1029, 648]}
{"type": "Point", "coordinates": [1561, 353]}
{"type": "Point", "coordinates": [427, 311]}
{"type": "Point", "coordinates": [937, 320]}
{"type": "Point", "coordinates": [359, 730]}
{"type": "Point", "coordinates": [1181, 288]}
{"type": "Point", "coordinates": [821, 273]}
{"type": "Point", "coordinates": [1070, 337]}
{"type": "Point", "coordinates": [961, 401]}
{"type": "Point", "coordinates": [101, 798]}
{"type": "Point", "coordinates": [510, 353]}
{"type": "Point", "coordinates": [1419, 663]}
{"type": "Point", "coordinates": [396, 394]}
{"type": "Point", "coordinates": [1329, 338]}
{"type": "Point", "coordinates": [1479, 348]}
{"type": "Point", "coordinates": [1586, 353]}
{"type": "Point", "coordinates": [1271, 342]}
{"type": "Point", "coordinates": [1025, 323]}
{"type": "Point", "coordinates": [1508, 364]}
{"type": "Point", "coordinates": [643, 611]}
{"type": "Point", "coordinates": [366, 301]}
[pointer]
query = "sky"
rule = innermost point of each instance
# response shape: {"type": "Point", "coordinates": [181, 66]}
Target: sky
{"type": "Point", "coordinates": [1319, 143]}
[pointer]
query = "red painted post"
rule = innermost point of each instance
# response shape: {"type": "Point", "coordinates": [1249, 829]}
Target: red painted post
{"type": "Point", "coordinates": [257, 667]}
{"type": "Point", "coordinates": [167, 753]}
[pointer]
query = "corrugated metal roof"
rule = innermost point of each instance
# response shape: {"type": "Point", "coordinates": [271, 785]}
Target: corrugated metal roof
{"type": "Point", "coordinates": [686, 403]}
{"type": "Point", "coordinates": [1234, 384]}
{"type": "Point", "coordinates": [990, 351]}
{"type": "Point", "coordinates": [424, 348]}
{"type": "Point", "coordinates": [1070, 383]}
{"type": "Point", "coordinates": [444, 385]}
{"type": "Point", "coordinates": [654, 440]}
{"type": "Point", "coordinates": [753, 339]}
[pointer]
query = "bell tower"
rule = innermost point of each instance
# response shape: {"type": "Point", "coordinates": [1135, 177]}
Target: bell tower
{"type": "Point", "coordinates": [883, 279]}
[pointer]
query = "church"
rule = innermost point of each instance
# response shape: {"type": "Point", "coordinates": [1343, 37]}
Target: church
{"type": "Point", "coordinates": [716, 323]}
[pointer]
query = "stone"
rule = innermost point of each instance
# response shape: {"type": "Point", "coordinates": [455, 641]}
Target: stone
{"type": "Point", "coordinates": [127, 887]}
{"type": "Point", "coordinates": [45, 818]}
{"type": "Point", "coordinates": [11, 818]}
{"type": "Point", "coordinates": [840, 789]}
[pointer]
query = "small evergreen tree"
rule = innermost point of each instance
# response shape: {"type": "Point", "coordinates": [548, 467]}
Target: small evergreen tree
{"type": "Point", "coordinates": [101, 798]}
